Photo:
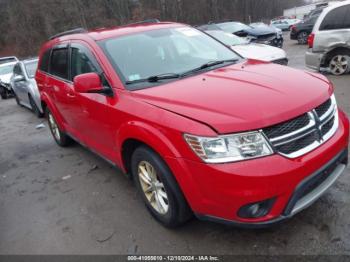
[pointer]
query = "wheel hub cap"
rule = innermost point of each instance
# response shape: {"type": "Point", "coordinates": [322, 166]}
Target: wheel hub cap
{"type": "Point", "coordinates": [153, 188]}
{"type": "Point", "coordinates": [54, 127]}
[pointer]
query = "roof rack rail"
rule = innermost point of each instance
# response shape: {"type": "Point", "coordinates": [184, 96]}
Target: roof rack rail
{"type": "Point", "coordinates": [147, 21]}
{"type": "Point", "coordinates": [70, 32]}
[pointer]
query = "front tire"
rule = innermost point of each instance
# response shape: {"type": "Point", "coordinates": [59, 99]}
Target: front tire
{"type": "Point", "coordinates": [61, 138]}
{"type": "Point", "coordinates": [158, 188]}
{"type": "Point", "coordinates": [3, 93]}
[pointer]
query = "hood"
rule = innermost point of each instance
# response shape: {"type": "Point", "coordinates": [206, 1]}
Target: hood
{"type": "Point", "coordinates": [242, 97]}
{"type": "Point", "coordinates": [260, 52]}
{"type": "Point", "coordinates": [6, 78]}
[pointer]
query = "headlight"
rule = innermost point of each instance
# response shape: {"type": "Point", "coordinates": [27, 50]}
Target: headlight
{"type": "Point", "coordinates": [229, 148]}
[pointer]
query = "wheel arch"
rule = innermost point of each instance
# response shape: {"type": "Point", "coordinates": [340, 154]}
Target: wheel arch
{"type": "Point", "coordinates": [135, 134]}
{"type": "Point", "coordinates": [333, 50]}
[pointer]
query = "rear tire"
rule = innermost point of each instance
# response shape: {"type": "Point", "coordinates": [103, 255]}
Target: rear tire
{"type": "Point", "coordinates": [61, 138]}
{"type": "Point", "coordinates": [158, 188]}
{"type": "Point", "coordinates": [302, 38]}
{"type": "Point", "coordinates": [339, 62]}
{"type": "Point", "coordinates": [34, 107]}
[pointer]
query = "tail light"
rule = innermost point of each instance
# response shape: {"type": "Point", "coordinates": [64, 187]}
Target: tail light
{"type": "Point", "coordinates": [293, 27]}
{"type": "Point", "coordinates": [310, 40]}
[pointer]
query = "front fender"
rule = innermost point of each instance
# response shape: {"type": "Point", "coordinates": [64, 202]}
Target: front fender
{"type": "Point", "coordinates": [147, 134]}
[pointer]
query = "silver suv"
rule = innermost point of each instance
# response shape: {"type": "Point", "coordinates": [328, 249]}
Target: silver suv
{"type": "Point", "coordinates": [329, 43]}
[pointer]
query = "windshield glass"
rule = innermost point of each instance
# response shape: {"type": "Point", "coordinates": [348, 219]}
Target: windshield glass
{"type": "Point", "coordinates": [31, 68]}
{"type": "Point", "coordinates": [163, 51]}
{"type": "Point", "coordinates": [4, 70]}
{"type": "Point", "coordinates": [232, 27]}
{"type": "Point", "coordinates": [227, 38]}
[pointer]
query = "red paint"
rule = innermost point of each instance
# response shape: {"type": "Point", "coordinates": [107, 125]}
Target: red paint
{"type": "Point", "coordinates": [242, 97]}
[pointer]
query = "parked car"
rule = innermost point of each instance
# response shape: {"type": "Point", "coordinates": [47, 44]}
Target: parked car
{"type": "Point", "coordinates": [302, 30]}
{"type": "Point", "coordinates": [329, 43]}
{"type": "Point", "coordinates": [285, 24]}
{"type": "Point", "coordinates": [267, 36]}
{"type": "Point", "coordinates": [200, 130]}
{"type": "Point", "coordinates": [278, 31]}
{"type": "Point", "coordinates": [250, 50]}
{"type": "Point", "coordinates": [24, 85]}
{"type": "Point", "coordinates": [8, 59]}
{"type": "Point", "coordinates": [6, 71]}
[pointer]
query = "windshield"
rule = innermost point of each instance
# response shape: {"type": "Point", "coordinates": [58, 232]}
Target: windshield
{"type": "Point", "coordinates": [227, 38]}
{"type": "Point", "coordinates": [31, 68]}
{"type": "Point", "coordinates": [164, 51]}
{"type": "Point", "coordinates": [4, 70]}
{"type": "Point", "coordinates": [232, 27]}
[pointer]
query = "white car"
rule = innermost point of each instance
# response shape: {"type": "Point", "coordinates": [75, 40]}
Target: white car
{"type": "Point", "coordinates": [250, 50]}
{"type": "Point", "coordinates": [6, 72]}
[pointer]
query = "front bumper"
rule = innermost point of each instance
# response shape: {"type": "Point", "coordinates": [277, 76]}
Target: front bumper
{"type": "Point", "coordinates": [217, 192]}
{"type": "Point", "coordinates": [314, 60]}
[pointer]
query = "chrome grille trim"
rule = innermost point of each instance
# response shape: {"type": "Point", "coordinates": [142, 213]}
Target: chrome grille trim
{"type": "Point", "coordinates": [315, 125]}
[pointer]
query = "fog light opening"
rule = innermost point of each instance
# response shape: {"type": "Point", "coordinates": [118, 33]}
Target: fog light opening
{"type": "Point", "coordinates": [256, 210]}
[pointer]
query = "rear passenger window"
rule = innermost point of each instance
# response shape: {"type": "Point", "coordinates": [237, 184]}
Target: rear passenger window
{"type": "Point", "coordinates": [59, 63]}
{"type": "Point", "coordinates": [335, 19]}
{"type": "Point", "coordinates": [44, 64]}
{"type": "Point", "coordinates": [347, 17]}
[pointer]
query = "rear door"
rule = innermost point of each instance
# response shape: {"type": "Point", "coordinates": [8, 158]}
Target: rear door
{"type": "Point", "coordinates": [333, 29]}
{"type": "Point", "coordinates": [61, 87]}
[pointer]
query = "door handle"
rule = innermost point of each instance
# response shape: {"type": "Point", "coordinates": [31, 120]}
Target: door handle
{"type": "Point", "coordinates": [70, 95]}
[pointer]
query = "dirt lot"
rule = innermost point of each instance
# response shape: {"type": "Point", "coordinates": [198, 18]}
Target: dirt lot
{"type": "Point", "coordinates": [69, 201]}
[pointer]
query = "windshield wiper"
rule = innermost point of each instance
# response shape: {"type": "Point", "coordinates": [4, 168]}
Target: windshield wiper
{"type": "Point", "coordinates": [208, 65]}
{"type": "Point", "coordinates": [155, 78]}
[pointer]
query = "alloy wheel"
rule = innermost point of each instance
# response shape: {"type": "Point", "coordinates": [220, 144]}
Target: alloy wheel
{"type": "Point", "coordinates": [54, 127]}
{"type": "Point", "coordinates": [339, 64]}
{"type": "Point", "coordinates": [153, 188]}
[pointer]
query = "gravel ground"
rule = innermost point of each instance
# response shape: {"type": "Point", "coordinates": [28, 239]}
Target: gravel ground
{"type": "Point", "coordinates": [69, 201]}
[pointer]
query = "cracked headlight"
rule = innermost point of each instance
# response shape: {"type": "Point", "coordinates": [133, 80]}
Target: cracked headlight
{"type": "Point", "coordinates": [229, 148]}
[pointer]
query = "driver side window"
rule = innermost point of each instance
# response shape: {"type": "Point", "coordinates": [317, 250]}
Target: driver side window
{"type": "Point", "coordinates": [81, 61]}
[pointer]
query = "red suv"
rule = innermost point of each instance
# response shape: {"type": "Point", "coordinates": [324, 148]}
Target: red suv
{"type": "Point", "coordinates": [200, 129]}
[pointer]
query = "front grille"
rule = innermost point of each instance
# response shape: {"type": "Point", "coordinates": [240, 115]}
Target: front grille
{"type": "Point", "coordinates": [287, 127]}
{"type": "Point", "coordinates": [322, 109]}
{"type": "Point", "coordinates": [298, 144]}
{"type": "Point", "coordinates": [266, 37]}
{"type": "Point", "coordinates": [304, 133]}
{"type": "Point", "coordinates": [283, 61]}
{"type": "Point", "coordinates": [327, 126]}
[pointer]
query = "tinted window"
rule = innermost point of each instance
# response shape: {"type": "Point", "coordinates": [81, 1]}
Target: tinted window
{"type": "Point", "coordinates": [335, 19]}
{"type": "Point", "coordinates": [59, 63]}
{"type": "Point", "coordinates": [44, 64]}
{"type": "Point", "coordinates": [81, 62]}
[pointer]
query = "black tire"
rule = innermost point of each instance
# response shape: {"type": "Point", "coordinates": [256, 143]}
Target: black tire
{"type": "Point", "coordinates": [34, 107]}
{"type": "Point", "coordinates": [178, 211]}
{"type": "Point", "coordinates": [344, 55]}
{"type": "Point", "coordinates": [62, 139]}
{"type": "Point", "coordinates": [3, 93]}
{"type": "Point", "coordinates": [302, 38]}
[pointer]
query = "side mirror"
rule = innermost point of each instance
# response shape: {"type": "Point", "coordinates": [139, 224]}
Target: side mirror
{"type": "Point", "coordinates": [18, 78]}
{"type": "Point", "coordinates": [88, 83]}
